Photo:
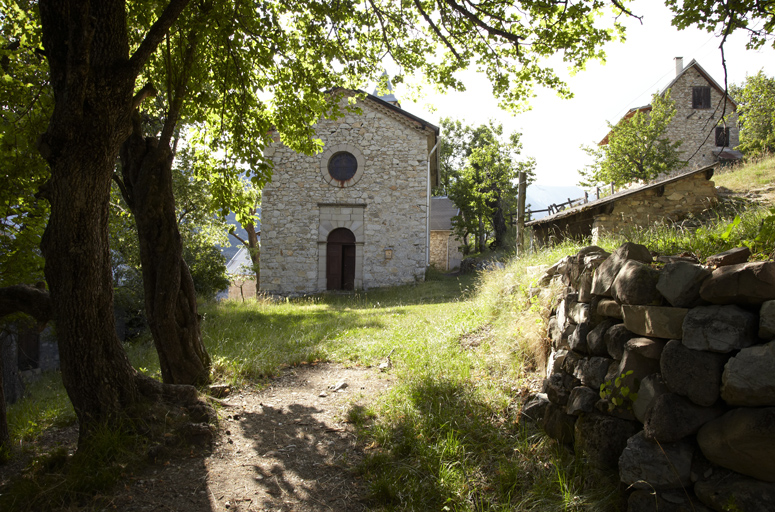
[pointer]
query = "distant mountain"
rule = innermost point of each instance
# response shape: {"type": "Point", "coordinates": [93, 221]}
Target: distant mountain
{"type": "Point", "coordinates": [541, 196]}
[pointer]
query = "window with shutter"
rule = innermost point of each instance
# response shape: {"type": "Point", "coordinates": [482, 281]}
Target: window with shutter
{"type": "Point", "coordinates": [722, 136]}
{"type": "Point", "coordinates": [701, 97]}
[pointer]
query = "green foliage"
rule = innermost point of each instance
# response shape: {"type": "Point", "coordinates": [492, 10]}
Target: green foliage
{"type": "Point", "coordinates": [716, 232]}
{"type": "Point", "coordinates": [637, 147]}
{"type": "Point", "coordinates": [755, 99]}
{"type": "Point", "coordinates": [618, 393]}
{"type": "Point", "coordinates": [58, 480]}
{"type": "Point", "coordinates": [26, 103]}
{"type": "Point", "coordinates": [753, 17]}
{"type": "Point", "coordinates": [481, 166]}
{"type": "Point", "coordinates": [44, 405]}
{"type": "Point", "coordinates": [200, 229]}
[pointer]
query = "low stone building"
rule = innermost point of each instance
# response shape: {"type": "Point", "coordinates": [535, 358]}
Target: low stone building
{"type": "Point", "coordinates": [670, 199]}
{"type": "Point", "coordinates": [705, 119]}
{"type": "Point", "coordinates": [242, 280]}
{"type": "Point", "coordinates": [356, 215]}
{"type": "Point", "coordinates": [445, 247]}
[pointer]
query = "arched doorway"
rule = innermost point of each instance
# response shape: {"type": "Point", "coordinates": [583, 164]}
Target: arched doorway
{"type": "Point", "coordinates": [340, 260]}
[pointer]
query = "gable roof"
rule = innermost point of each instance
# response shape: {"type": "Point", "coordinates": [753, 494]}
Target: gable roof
{"type": "Point", "coordinates": [705, 75]}
{"type": "Point", "coordinates": [442, 211]}
{"type": "Point", "coordinates": [240, 264]}
{"type": "Point", "coordinates": [693, 64]}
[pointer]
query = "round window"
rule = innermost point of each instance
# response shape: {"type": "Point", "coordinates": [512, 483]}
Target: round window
{"type": "Point", "coordinates": [342, 166]}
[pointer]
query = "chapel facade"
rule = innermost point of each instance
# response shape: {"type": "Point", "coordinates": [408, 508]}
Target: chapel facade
{"type": "Point", "coordinates": [356, 215]}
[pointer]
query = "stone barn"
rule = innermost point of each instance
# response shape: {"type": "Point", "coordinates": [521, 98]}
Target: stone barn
{"type": "Point", "coordinates": [670, 199]}
{"type": "Point", "coordinates": [356, 215]}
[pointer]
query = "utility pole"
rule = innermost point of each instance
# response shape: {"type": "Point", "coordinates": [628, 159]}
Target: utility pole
{"type": "Point", "coordinates": [521, 213]}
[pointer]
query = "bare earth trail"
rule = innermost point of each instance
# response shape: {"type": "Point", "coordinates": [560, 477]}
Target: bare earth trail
{"type": "Point", "coordinates": [284, 448]}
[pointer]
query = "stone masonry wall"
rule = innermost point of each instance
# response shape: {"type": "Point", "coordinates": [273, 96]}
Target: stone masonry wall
{"type": "Point", "coordinates": [696, 127]}
{"type": "Point", "coordinates": [664, 370]}
{"type": "Point", "coordinates": [389, 192]}
{"type": "Point", "coordinates": [675, 201]}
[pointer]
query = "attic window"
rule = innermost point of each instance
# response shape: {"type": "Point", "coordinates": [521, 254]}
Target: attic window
{"type": "Point", "coordinates": [342, 166]}
{"type": "Point", "coordinates": [701, 97]}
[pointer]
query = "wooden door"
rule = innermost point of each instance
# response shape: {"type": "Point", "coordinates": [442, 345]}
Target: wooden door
{"type": "Point", "coordinates": [340, 260]}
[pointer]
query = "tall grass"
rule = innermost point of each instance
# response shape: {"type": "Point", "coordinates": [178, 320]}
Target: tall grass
{"type": "Point", "coordinates": [466, 350]}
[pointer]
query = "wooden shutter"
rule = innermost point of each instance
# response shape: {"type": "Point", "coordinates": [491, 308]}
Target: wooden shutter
{"type": "Point", "coordinates": [700, 97]}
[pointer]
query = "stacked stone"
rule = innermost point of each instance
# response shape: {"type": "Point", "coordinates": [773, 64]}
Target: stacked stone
{"type": "Point", "coordinates": [685, 356]}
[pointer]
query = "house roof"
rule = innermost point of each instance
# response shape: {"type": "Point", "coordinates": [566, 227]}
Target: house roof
{"type": "Point", "coordinates": [693, 64]}
{"type": "Point", "coordinates": [705, 75]}
{"type": "Point", "coordinates": [569, 212]}
{"type": "Point", "coordinates": [442, 211]}
{"type": "Point", "coordinates": [240, 263]}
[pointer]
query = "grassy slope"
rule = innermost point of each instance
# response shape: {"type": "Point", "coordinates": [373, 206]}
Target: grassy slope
{"type": "Point", "coordinates": [447, 436]}
{"type": "Point", "coordinates": [758, 174]}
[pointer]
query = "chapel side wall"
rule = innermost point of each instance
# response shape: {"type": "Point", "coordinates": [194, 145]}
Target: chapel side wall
{"type": "Point", "coordinates": [391, 191]}
{"type": "Point", "coordinates": [696, 127]}
{"type": "Point", "coordinates": [675, 201]}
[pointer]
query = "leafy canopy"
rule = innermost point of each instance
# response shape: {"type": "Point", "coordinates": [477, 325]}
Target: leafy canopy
{"type": "Point", "coordinates": [755, 99]}
{"type": "Point", "coordinates": [636, 148]}
{"type": "Point", "coordinates": [482, 165]}
{"type": "Point", "coordinates": [754, 17]}
{"type": "Point", "coordinates": [24, 107]}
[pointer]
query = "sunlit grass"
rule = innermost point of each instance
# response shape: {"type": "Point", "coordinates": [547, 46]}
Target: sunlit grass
{"type": "Point", "coordinates": [464, 349]}
{"type": "Point", "coordinates": [756, 174]}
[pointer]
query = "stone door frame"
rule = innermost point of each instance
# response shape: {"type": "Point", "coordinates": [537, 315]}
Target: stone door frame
{"type": "Point", "coordinates": [334, 216]}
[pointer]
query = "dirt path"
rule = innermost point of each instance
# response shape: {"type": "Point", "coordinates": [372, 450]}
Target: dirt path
{"type": "Point", "coordinates": [285, 448]}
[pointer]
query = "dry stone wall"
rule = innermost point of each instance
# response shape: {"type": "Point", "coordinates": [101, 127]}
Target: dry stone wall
{"type": "Point", "coordinates": [665, 370]}
{"type": "Point", "coordinates": [675, 200]}
{"type": "Point", "coordinates": [388, 197]}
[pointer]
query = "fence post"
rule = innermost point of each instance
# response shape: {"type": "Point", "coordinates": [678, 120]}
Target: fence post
{"type": "Point", "coordinates": [522, 193]}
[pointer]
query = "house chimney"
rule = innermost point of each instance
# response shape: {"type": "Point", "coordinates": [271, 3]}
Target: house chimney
{"type": "Point", "coordinates": [679, 65]}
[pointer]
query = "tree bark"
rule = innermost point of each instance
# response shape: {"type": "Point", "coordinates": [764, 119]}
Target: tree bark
{"type": "Point", "coordinates": [170, 298]}
{"type": "Point", "coordinates": [4, 436]}
{"type": "Point", "coordinates": [92, 77]}
{"type": "Point", "coordinates": [254, 250]}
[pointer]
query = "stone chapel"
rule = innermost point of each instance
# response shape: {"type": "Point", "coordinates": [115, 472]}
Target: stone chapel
{"type": "Point", "coordinates": [356, 215]}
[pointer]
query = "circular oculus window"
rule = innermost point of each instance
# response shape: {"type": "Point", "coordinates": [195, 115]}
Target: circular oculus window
{"type": "Point", "coordinates": [342, 166]}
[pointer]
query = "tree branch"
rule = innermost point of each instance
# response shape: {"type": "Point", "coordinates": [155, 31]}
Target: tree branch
{"type": "Point", "coordinates": [235, 235]}
{"type": "Point", "coordinates": [21, 298]}
{"type": "Point", "coordinates": [155, 35]}
{"type": "Point", "coordinates": [436, 29]}
{"type": "Point", "coordinates": [480, 23]}
{"type": "Point", "coordinates": [180, 91]}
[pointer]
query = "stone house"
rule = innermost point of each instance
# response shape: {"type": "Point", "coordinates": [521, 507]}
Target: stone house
{"type": "Point", "coordinates": [356, 215]}
{"type": "Point", "coordinates": [705, 119]}
{"type": "Point", "coordinates": [670, 199]}
{"type": "Point", "coordinates": [445, 247]}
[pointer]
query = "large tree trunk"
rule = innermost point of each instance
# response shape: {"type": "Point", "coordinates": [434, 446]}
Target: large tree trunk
{"type": "Point", "coordinates": [90, 120]}
{"type": "Point", "coordinates": [92, 77]}
{"type": "Point", "coordinates": [3, 417]}
{"type": "Point", "coordinates": [254, 250]}
{"type": "Point", "coordinates": [499, 225]}
{"type": "Point", "coordinates": [170, 298]}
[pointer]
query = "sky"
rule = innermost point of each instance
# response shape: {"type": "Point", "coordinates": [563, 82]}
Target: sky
{"type": "Point", "coordinates": [554, 129]}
